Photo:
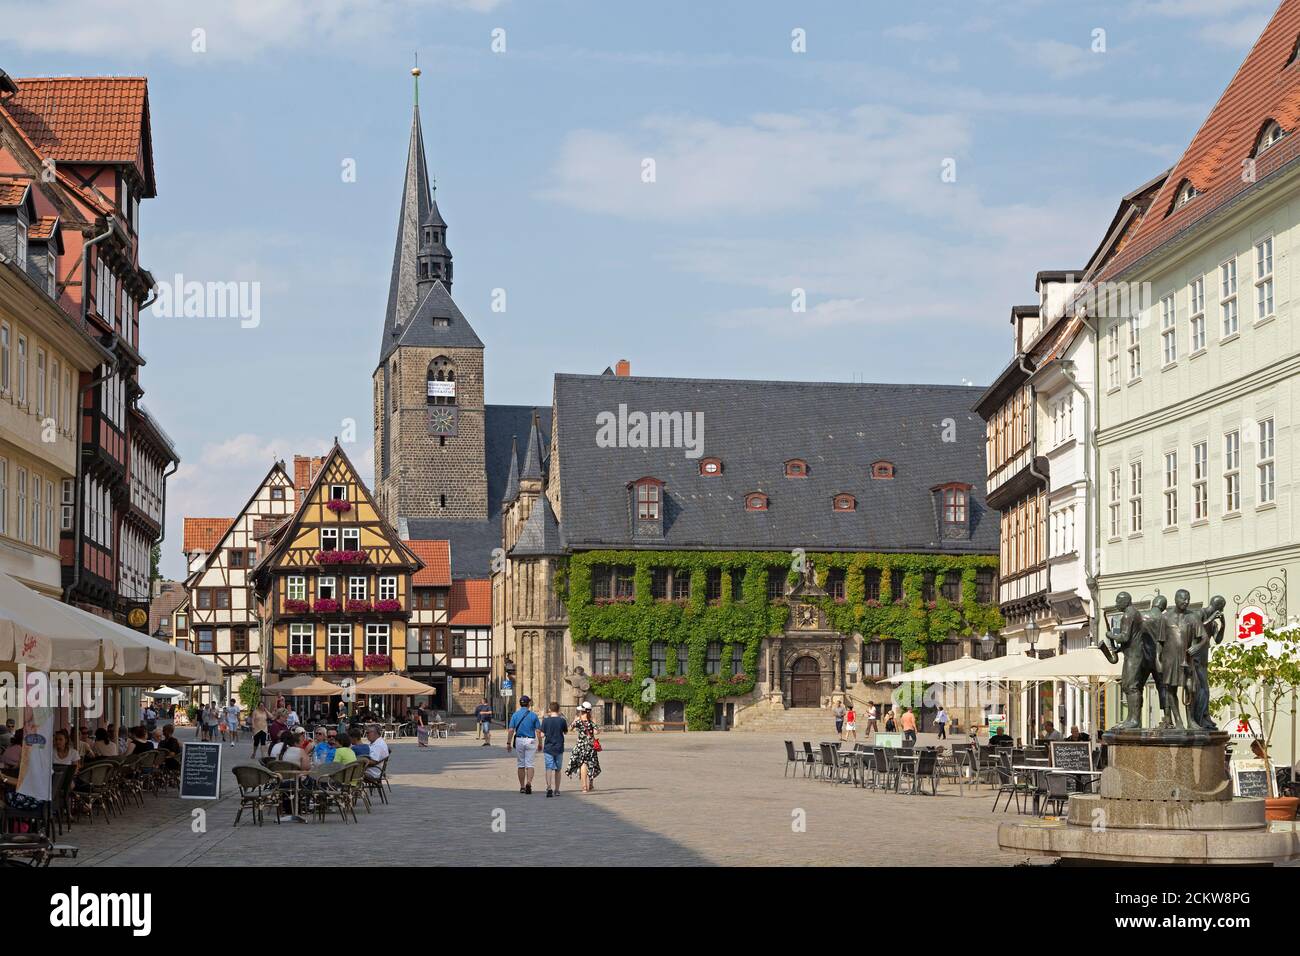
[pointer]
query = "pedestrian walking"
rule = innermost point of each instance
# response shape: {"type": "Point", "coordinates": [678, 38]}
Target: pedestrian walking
{"type": "Point", "coordinates": [522, 735]}
{"type": "Point", "coordinates": [554, 727]}
{"type": "Point", "coordinates": [483, 716]}
{"type": "Point", "coordinates": [232, 721]}
{"type": "Point", "coordinates": [941, 721]}
{"type": "Point", "coordinates": [421, 727]}
{"type": "Point", "coordinates": [908, 723]}
{"type": "Point", "coordinates": [260, 722]}
{"type": "Point", "coordinates": [585, 758]}
{"type": "Point", "coordinates": [872, 716]}
{"type": "Point", "coordinates": [891, 722]}
{"type": "Point", "coordinates": [839, 712]}
{"type": "Point", "coordinates": [851, 724]}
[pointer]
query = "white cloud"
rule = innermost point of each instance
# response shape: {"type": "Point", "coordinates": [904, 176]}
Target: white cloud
{"type": "Point", "coordinates": [1237, 34]}
{"type": "Point", "coordinates": [772, 163]}
{"type": "Point", "coordinates": [1061, 60]}
{"type": "Point", "coordinates": [913, 32]}
{"type": "Point", "coordinates": [233, 28]}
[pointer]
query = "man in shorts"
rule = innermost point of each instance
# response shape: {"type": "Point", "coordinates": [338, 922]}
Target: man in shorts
{"type": "Point", "coordinates": [232, 720]}
{"type": "Point", "coordinates": [483, 715]}
{"type": "Point", "coordinates": [522, 736]}
{"type": "Point", "coordinates": [554, 727]}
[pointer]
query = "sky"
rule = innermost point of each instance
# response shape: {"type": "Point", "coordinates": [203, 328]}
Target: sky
{"type": "Point", "coordinates": [659, 182]}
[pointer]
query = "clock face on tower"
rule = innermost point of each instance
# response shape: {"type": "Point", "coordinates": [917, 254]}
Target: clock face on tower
{"type": "Point", "coordinates": [442, 420]}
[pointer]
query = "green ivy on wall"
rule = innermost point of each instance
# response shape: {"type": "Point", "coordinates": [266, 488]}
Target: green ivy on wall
{"type": "Point", "coordinates": [696, 622]}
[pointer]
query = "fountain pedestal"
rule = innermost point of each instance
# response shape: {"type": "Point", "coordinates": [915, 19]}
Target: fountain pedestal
{"type": "Point", "coordinates": [1164, 798]}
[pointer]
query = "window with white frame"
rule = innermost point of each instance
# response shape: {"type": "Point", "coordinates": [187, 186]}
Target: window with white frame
{"type": "Point", "coordinates": [49, 516]}
{"type": "Point", "coordinates": [68, 499]}
{"type": "Point", "coordinates": [37, 538]}
{"type": "Point", "coordinates": [1134, 347]}
{"type": "Point", "coordinates": [356, 588]}
{"type": "Point", "coordinates": [329, 539]}
{"type": "Point", "coordinates": [1112, 356]}
{"type": "Point", "coordinates": [1135, 497]}
{"type": "Point", "coordinates": [1264, 278]}
{"type": "Point", "coordinates": [1228, 298]}
{"type": "Point", "coordinates": [1232, 472]}
{"type": "Point", "coordinates": [339, 639]}
{"type": "Point", "coordinates": [1264, 462]}
{"type": "Point", "coordinates": [4, 496]}
{"type": "Point", "coordinates": [40, 383]}
{"type": "Point", "coordinates": [296, 588]}
{"type": "Point", "coordinates": [377, 639]}
{"type": "Point", "coordinates": [351, 539]}
{"type": "Point", "coordinates": [302, 639]}
{"type": "Point", "coordinates": [326, 588]}
{"type": "Point", "coordinates": [1168, 331]}
{"type": "Point", "coordinates": [1200, 481]}
{"type": "Point", "coordinates": [388, 588]}
{"type": "Point", "coordinates": [1171, 489]}
{"type": "Point", "coordinates": [4, 357]}
{"type": "Point", "coordinates": [56, 394]}
{"type": "Point", "coordinates": [21, 509]}
{"type": "Point", "coordinates": [1196, 308]}
{"type": "Point", "coordinates": [1115, 495]}
{"type": "Point", "coordinates": [22, 370]}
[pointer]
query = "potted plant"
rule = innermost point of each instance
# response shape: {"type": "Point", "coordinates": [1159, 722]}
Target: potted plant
{"type": "Point", "coordinates": [358, 606]}
{"type": "Point", "coordinates": [339, 662]}
{"type": "Point", "coordinates": [326, 605]}
{"type": "Point", "coordinates": [295, 606]}
{"type": "Point", "coordinates": [372, 661]}
{"type": "Point", "coordinates": [388, 605]}
{"type": "Point", "coordinates": [300, 662]}
{"type": "Point", "coordinates": [338, 506]}
{"type": "Point", "coordinates": [1253, 679]}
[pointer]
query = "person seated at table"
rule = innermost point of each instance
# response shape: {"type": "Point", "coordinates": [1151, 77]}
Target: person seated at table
{"type": "Point", "coordinates": [1000, 739]}
{"type": "Point", "coordinates": [344, 753]}
{"type": "Point", "coordinates": [1050, 732]}
{"type": "Point", "coordinates": [102, 747]}
{"type": "Point", "coordinates": [360, 745]}
{"type": "Point", "coordinates": [14, 752]}
{"type": "Point", "coordinates": [85, 740]}
{"type": "Point", "coordinates": [378, 751]}
{"type": "Point", "coordinates": [1076, 734]}
{"type": "Point", "coordinates": [65, 755]}
{"type": "Point", "coordinates": [171, 746]}
{"type": "Point", "coordinates": [140, 741]}
{"type": "Point", "coordinates": [323, 750]}
{"type": "Point", "coordinates": [288, 751]}
{"type": "Point", "coordinates": [291, 719]}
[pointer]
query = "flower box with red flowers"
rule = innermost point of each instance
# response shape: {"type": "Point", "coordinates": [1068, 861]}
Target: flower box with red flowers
{"type": "Point", "coordinates": [301, 662]}
{"type": "Point", "coordinates": [739, 678]}
{"type": "Point", "coordinates": [339, 662]}
{"type": "Point", "coordinates": [377, 660]}
{"type": "Point", "coordinates": [338, 506]}
{"type": "Point", "coordinates": [293, 606]}
{"type": "Point", "coordinates": [359, 606]}
{"type": "Point", "coordinates": [340, 557]}
{"type": "Point", "coordinates": [675, 680]}
{"type": "Point", "coordinates": [388, 605]}
{"type": "Point", "coordinates": [326, 606]}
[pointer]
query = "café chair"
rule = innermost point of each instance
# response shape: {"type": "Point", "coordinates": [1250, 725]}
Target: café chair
{"type": "Point", "coordinates": [258, 789]}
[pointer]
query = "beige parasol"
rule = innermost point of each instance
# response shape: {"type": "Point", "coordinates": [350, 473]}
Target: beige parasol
{"type": "Point", "coordinates": [392, 683]}
{"type": "Point", "coordinates": [315, 687]}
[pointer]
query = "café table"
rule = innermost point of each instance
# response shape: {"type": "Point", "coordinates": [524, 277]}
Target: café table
{"type": "Point", "coordinates": [297, 776]}
{"type": "Point", "coordinates": [898, 776]}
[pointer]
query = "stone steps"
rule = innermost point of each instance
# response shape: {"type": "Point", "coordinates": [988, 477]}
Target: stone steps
{"type": "Point", "coordinates": [798, 722]}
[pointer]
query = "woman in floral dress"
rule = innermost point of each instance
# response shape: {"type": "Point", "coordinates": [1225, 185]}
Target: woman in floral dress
{"type": "Point", "coordinates": [584, 758]}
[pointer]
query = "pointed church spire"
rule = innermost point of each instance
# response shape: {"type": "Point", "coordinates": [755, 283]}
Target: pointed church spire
{"type": "Point", "coordinates": [416, 200]}
{"type": "Point", "coordinates": [533, 455]}
{"type": "Point", "coordinates": [512, 482]}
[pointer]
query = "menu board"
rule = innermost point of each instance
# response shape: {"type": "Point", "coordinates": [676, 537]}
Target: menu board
{"type": "Point", "coordinates": [1250, 778]}
{"type": "Point", "coordinates": [200, 771]}
{"type": "Point", "coordinates": [1071, 754]}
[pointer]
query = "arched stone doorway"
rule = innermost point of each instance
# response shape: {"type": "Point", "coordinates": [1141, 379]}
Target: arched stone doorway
{"type": "Point", "coordinates": [806, 683]}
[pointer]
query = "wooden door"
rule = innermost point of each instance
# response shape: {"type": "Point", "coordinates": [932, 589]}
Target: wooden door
{"type": "Point", "coordinates": [806, 683]}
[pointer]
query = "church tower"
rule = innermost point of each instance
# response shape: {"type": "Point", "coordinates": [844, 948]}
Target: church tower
{"type": "Point", "coordinates": [428, 385]}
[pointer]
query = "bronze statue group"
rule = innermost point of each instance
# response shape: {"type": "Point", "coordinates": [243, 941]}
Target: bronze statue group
{"type": "Point", "coordinates": [1171, 646]}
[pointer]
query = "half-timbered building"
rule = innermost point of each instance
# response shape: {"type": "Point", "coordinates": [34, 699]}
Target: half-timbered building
{"type": "Point", "coordinates": [222, 619]}
{"type": "Point", "coordinates": [334, 586]}
{"type": "Point", "coordinates": [429, 633]}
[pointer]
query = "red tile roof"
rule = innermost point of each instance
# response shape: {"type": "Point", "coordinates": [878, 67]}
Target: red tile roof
{"type": "Point", "coordinates": [436, 556]}
{"type": "Point", "coordinates": [471, 602]}
{"type": "Point", "coordinates": [12, 193]}
{"type": "Point", "coordinates": [204, 534]}
{"type": "Point", "coordinates": [1265, 87]}
{"type": "Point", "coordinates": [86, 119]}
{"type": "Point", "coordinates": [42, 228]}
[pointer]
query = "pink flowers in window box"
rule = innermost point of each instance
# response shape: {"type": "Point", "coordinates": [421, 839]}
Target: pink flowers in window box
{"type": "Point", "coordinates": [357, 605]}
{"type": "Point", "coordinates": [339, 662]}
{"type": "Point", "coordinates": [340, 557]}
{"type": "Point", "coordinates": [326, 605]}
{"type": "Point", "coordinates": [377, 660]}
{"type": "Point", "coordinates": [338, 506]}
{"type": "Point", "coordinates": [301, 662]}
{"type": "Point", "coordinates": [388, 605]}
{"type": "Point", "coordinates": [294, 606]}
{"type": "Point", "coordinates": [739, 678]}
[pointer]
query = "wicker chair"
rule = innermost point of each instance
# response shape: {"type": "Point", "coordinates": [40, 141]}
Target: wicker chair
{"type": "Point", "coordinates": [94, 787]}
{"type": "Point", "coordinates": [258, 789]}
{"type": "Point", "coordinates": [380, 783]}
{"type": "Point", "coordinates": [329, 793]}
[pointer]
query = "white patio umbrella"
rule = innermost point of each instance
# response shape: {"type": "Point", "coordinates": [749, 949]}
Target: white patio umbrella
{"type": "Point", "coordinates": [164, 693]}
{"type": "Point", "coordinates": [1082, 665]}
{"type": "Point", "coordinates": [934, 674]}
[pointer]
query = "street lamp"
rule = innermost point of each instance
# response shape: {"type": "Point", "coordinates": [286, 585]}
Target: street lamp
{"type": "Point", "coordinates": [1031, 637]}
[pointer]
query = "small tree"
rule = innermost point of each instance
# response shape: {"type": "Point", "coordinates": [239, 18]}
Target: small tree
{"type": "Point", "coordinates": [1254, 680]}
{"type": "Point", "coordinates": [250, 692]}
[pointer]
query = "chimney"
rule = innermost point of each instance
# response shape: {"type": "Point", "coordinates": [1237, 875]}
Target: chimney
{"type": "Point", "coordinates": [305, 470]}
{"type": "Point", "coordinates": [623, 368]}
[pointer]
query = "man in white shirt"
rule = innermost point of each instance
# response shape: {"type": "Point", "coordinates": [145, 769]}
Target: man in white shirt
{"type": "Point", "coordinates": [231, 713]}
{"type": "Point", "coordinates": [291, 719]}
{"type": "Point", "coordinates": [378, 751]}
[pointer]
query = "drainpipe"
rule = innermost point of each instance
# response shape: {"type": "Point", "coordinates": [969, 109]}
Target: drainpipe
{"type": "Point", "coordinates": [1033, 470]}
{"type": "Point", "coordinates": [79, 505]}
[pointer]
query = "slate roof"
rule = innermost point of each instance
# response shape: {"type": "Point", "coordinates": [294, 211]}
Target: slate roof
{"type": "Point", "coordinates": [87, 119]}
{"type": "Point", "coordinates": [436, 556]}
{"type": "Point", "coordinates": [420, 330]}
{"type": "Point", "coordinates": [754, 427]}
{"type": "Point", "coordinates": [472, 541]}
{"type": "Point", "coordinates": [1265, 87]}
{"type": "Point", "coordinates": [540, 536]}
{"type": "Point", "coordinates": [415, 205]}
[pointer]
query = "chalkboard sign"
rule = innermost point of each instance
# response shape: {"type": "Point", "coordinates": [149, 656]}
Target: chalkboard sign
{"type": "Point", "coordinates": [892, 741]}
{"type": "Point", "coordinates": [200, 771]}
{"type": "Point", "coordinates": [1072, 754]}
{"type": "Point", "coordinates": [1250, 779]}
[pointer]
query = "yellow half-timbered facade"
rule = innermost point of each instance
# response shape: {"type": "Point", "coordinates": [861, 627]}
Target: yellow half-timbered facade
{"type": "Point", "coordinates": [334, 587]}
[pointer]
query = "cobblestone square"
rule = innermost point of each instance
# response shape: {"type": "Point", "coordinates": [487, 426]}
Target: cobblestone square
{"type": "Point", "coordinates": [662, 799]}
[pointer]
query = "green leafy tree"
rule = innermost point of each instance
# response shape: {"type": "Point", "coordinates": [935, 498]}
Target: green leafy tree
{"type": "Point", "coordinates": [155, 556]}
{"type": "Point", "coordinates": [1253, 681]}
{"type": "Point", "coordinates": [250, 692]}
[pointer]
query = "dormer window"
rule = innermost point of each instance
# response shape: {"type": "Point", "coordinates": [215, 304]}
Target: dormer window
{"type": "Point", "coordinates": [1186, 193]}
{"type": "Point", "coordinates": [21, 255]}
{"type": "Point", "coordinates": [954, 505]}
{"type": "Point", "coordinates": [756, 501]}
{"type": "Point", "coordinates": [882, 470]}
{"type": "Point", "coordinates": [796, 468]}
{"type": "Point", "coordinates": [710, 467]}
{"type": "Point", "coordinates": [845, 503]}
{"type": "Point", "coordinates": [649, 497]}
{"type": "Point", "coordinates": [1269, 136]}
